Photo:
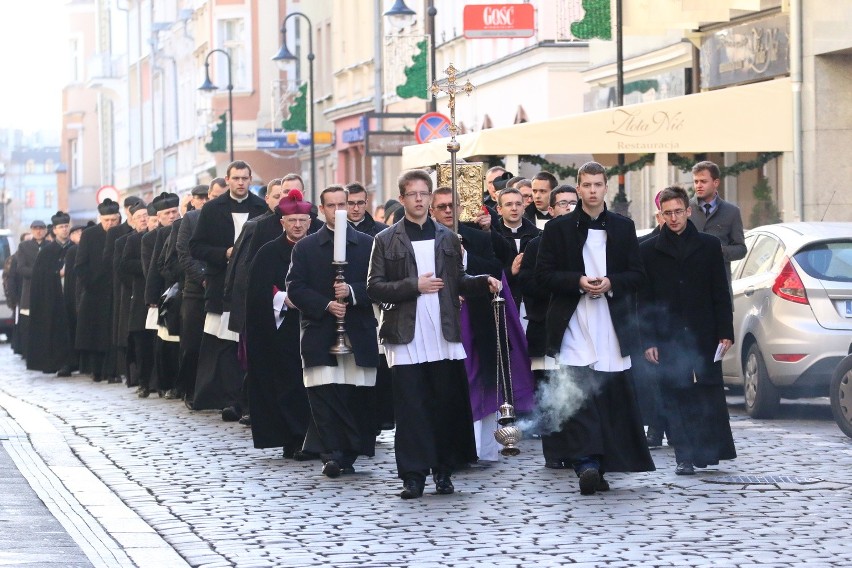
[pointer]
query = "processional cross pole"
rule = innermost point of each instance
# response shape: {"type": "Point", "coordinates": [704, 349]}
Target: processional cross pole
{"type": "Point", "coordinates": [452, 88]}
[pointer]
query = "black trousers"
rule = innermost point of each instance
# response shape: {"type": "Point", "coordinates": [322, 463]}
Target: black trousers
{"type": "Point", "coordinates": [166, 359]}
{"type": "Point", "coordinates": [701, 428]}
{"type": "Point", "coordinates": [191, 329]}
{"type": "Point", "coordinates": [342, 424]}
{"type": "Point", "coordinates": [434, 423]}
{"type": "Point", "coordinates": [141, 343]}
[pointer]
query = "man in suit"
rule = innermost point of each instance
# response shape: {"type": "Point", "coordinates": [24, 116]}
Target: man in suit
{"type": "Point", "coordinates": [518, 231]}
{"type": "Point", "coordinates": [356, 211]}
{"type": "Point", "coordinates": [589, 262]}
{"type": "Point", "coordinates": [688, 327]}
{"type": "Point", "coordinates": [26, 255]}
{"type": "Point", "coordinates": [219, 375]}
{"type": "Point", "coordinates": [713, 215]}
{"type": "Point", "coordinates": [140, 342]}
{"type": "Point", "coordinates": [340, 387]}
{"type": "Point", "coordinates": [416, 273]}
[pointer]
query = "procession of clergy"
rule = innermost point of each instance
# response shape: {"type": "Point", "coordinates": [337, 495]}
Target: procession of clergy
{"type": "Point", "coordinates": [319, 335]}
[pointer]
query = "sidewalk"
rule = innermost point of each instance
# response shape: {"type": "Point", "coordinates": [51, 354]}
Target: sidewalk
{"type": "Point", "coordinates": [54, 511]}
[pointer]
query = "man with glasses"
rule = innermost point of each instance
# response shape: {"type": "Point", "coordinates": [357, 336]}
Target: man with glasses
{"type": "Point", "coordinates": [356, 211]}
{"type": "Point", "coordinates": [589, 262]}
{"type": "Point", "coordinates": [340, 387]}
{"type": "Point", "coordinates": [687, 328]}
{"type": "Point", "coordinates": [563, 200]}
{"type": "Point", "coordinates": [417, 274]}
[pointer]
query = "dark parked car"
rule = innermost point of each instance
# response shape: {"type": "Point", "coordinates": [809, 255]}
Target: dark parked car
{"type": "Point", "coordinates": [792, 312]}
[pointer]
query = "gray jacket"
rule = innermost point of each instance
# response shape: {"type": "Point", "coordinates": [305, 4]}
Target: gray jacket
{"type": "Point", "coordinates": [726, 224]}
{"type": "Point", "coordinates": [392, 282]}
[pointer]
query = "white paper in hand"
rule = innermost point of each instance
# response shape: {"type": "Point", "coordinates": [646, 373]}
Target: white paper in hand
{"type": "Point", "coordinates": [718, 356]}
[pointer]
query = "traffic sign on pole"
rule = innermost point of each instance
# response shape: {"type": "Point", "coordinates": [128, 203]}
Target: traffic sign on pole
{"type": "Point", "coordinates": [431, 126]}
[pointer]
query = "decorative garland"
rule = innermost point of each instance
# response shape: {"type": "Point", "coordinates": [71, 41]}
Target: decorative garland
{"type": "Point", "coordinates": [683, 163]}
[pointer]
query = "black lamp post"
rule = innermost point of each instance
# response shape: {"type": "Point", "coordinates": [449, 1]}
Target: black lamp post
{"type": "Point", "coordinates": [282, 57]}
{"type": "Point", "coordinates": [402, 16]}
{"type": "Point", "coordinates": [209, 87]}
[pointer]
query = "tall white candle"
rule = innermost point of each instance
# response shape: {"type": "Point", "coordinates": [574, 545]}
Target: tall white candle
{"type": "Point", "coordinates": [340, 235]}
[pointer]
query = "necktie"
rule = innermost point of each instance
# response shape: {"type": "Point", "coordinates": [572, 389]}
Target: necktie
{"type": "Point", "coordinates": [707, 209]}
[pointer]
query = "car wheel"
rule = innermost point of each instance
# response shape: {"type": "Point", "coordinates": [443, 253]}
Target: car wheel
{"type": "Point", "coordinates": [761, 396]}
{"type": "Point", "coordinates": [841, 395]}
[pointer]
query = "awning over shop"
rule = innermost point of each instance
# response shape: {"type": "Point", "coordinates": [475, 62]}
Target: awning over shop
{"type": "Point", "coordinates": [749, 118]}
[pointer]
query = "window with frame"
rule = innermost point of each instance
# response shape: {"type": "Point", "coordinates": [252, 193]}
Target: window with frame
{"type": "Point", "coordinates": [232, 37]}
{"type": "Point", "coordinates": [48, 199]}
{"type": "Point", "coordinates": [30, 198]}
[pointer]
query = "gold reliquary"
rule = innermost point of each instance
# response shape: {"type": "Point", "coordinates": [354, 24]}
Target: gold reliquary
{"type": "Point", "coordinates": [470, 184]}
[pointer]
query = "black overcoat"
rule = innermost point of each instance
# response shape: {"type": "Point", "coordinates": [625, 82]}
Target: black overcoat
{"type": "Point", "coordinates": [685, 308]}
{"type": "Point", "coordinates": [49, 344]}
{"type": "Point", "coordinates": [560, 265]}
{"type": "Point", "coordinates": [131, 266]}
{"type": "Point", "coordinates": [212, 238]}
{"type": "Point", "coordinates": [123, 287]}
{"type": "Point", "coordinates": [94, 326]}
{"type": "Point", "coordinates": [310, 285]}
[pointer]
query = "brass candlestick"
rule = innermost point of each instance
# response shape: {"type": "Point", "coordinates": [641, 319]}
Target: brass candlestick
{"type": "Point", "coordinates": [340, 347]}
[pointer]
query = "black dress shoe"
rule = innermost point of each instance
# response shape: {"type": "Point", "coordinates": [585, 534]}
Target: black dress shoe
{"type": "Point", "coordinates": [554, 465]}
{"type": "Point", "coordinates": [97, 378]}
{"type": "Point", "coordinates": [171, 394]}
{"type": "Point", "coordinates": [589, 480]}
{"type": "Point", "coordinates": [245, 420]}
{"type": "Point", "coordinates": [603, 484]}
{"type": "Point", "coordinates": [303, 456]}
{"type": "Point", "coordinates": [685, 468]}
{"type": "Point", "coordinates": [331, 469]}
{"type": "Point", "coordinates": [443, 484]}
{"type": "Point", "coordinates": [143, 392]}
{"type": "Point", "coordinates": [347, 470]}
{"type": "Point", "coordinates": [64, 372]}
{"type": "Point", "coordinates": [412, 488]}
{"type": "Point", "coordinates": [230, 414]}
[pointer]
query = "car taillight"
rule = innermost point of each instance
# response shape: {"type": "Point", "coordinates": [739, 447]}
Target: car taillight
{"type": "Point", "coordinates": [789, 357]}
{"type": "Point", "coordinates": [788, 285]}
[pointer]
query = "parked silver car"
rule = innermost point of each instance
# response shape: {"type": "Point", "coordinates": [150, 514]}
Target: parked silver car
{"type": "Point", "coordinates": [792, 312]}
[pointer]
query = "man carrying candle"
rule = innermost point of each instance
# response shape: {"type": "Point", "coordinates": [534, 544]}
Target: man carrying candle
{"type": "Point", "coordinates": [416, 273]}
{"type": "Point", "coordinates": [339, 386]}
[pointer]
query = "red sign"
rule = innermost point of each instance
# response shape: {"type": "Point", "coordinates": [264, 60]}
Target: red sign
{"type": "Point", "coordinates": [106, 191]}
{"type": "Point", "coordinates": [431, 126]}
{"type": "Point", "coordinates": [499, 20]}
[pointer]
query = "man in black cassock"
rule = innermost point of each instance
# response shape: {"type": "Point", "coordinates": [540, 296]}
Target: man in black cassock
{"type": "Point", "coordinates": [192, 305]}
{"type": "Point", "coordinates": [589, 262]}
{"type": "Point", "coordinates": [340, 387]}
{"type": "Point", "coordinates": [688, 327]}
{"type": "Point", "coordinates": [115, 361]}
{"type": "Point", "coordinates": [166, 345]}
{"type": "Point", "coordinates": [140, 341]}
{"type": "Point", "coordinates": [280, 412]}
{"type": "Point", "coordinates": [94, 323]}
{"type": "Point", "coordinates": [417, 275]}
{"type": "Point", "coordinates": [219, 375]}
{"type": "Point", "coordinates": [71, 296]}
{"type": "Point", "coordinates": [50, 336]}
{"type": "Point", "coordinates": [26, 258]}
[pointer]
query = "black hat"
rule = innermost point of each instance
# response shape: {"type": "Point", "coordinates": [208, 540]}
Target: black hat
{"type": "Point", "coordinates": [200, 190]}
{"type": "Point", "coordinates": [132, 200]}
{"type": "Point", "coordinates": [152, 211]}
{"type": "Point", "coordinates": [501, 180]}
{"type": "Point", "coordinates": [38, 225]}
{"type": "Point", "coordinates": [166, 201]}
{"type": "Point", "coordinates": [61, 218]}
{"type": "Point", "coordinates": [108, 207]}
{"type": "Point", "coordinates": [138, 207]}
{"type": "Point", "coordinates": [78, 228]}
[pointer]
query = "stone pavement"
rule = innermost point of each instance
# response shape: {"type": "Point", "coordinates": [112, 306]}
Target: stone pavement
{"type": "Point", "coordinates": [154, 484]}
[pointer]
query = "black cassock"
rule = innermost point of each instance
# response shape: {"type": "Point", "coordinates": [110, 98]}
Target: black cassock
{"type": "Point", "coordinates": [49, 339]}
{"type": "Point", "coordinates": [280, 412]}
{"type": "Point", "coordinates": [94, 323]}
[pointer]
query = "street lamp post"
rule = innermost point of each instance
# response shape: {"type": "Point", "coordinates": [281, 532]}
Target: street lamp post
{"type": "Point", "coordinates": [208, 86]}
{"type": "Point", "coordinates": [403, 16]}
{"type": "Point", "coordinates": [282, 57]}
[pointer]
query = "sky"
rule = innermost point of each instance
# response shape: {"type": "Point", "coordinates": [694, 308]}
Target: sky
{"type": "Point", "coordinates": [33, 56]}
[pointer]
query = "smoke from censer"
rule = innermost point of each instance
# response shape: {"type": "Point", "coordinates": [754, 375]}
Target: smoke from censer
{"type": "Point", "coordinates": [556, 400]}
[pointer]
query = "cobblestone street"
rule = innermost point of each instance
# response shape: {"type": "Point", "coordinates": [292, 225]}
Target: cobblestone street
{"type": "Point", "coordinates": [151, 483]}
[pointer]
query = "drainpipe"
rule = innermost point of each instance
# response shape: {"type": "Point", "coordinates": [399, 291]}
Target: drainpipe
{"type": "Point", "coordinates": [378, 105]}
{"type": "Point", "coordinates": [796, 79]}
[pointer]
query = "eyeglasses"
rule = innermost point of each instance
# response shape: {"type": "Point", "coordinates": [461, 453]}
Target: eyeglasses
{"type": "Point", "coordinates": [674, 213]}
{"type": "Point", "coordinates": [356, 203]}
{"type": "Point", "coordinates": [443, 206]}
{"type": "Point", "coordinates": [416, 194]}
{"type": "Point", "coordinates": [565, 203]}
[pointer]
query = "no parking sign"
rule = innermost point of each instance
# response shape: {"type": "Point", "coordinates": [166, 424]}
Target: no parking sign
{"type": "Point", "coordinates": [431, 126]}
